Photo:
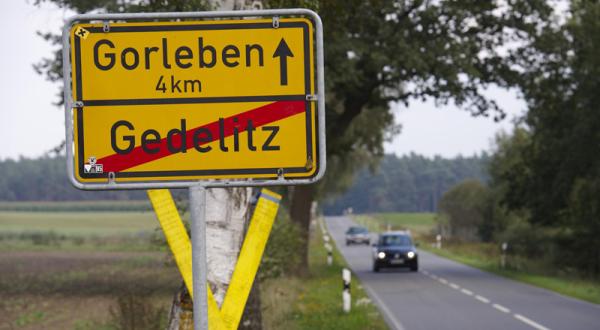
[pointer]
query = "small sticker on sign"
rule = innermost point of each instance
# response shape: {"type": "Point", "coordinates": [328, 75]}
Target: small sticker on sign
{"type": "Point", "coordinates": [82, 33]}
{"type": "Point", "coordinates": [92, 167]}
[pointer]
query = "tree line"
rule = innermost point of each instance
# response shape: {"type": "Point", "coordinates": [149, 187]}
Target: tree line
{"type": "Point", "coordinates": [411, 183]}
{"type": "Point", "coordinates": [45, 179]}
{"type": "Point", "coordinates": [544, 188]}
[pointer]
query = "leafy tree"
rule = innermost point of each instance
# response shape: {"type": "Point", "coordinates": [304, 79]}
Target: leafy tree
{"type": "Point", "coordinates": [407, 184]}
{"type": "Point", "coordinates": [381, 52]}
{"type": "Point", "coordinates": [45, 179]}
{"type": "Point", "coordinates": [465, 207]}
{"type": "Point", "coordinates": [555, 176]}
{"type": "Point", "coordinates": [508, 169]}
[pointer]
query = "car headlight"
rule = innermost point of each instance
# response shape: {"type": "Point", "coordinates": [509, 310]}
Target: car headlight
{"type": "Point", "coordinates": [410, 254]}
{"type": "Point", "coordinates": [381, 255]}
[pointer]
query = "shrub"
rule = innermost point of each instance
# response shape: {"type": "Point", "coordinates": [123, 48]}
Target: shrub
{"type": "Point", "coordinates": [282, 253]}
{"type": "Point", "coordinates": [136, 312]}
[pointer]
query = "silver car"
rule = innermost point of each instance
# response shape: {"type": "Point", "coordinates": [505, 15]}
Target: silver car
{"type": "Point", "coordinates": [357, 235]}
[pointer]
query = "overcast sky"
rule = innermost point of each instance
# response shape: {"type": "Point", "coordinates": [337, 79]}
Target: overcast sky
{"type": "Point", "coordinates": [30, 124]}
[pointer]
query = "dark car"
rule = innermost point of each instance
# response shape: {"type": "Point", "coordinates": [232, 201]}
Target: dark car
{"type": "Point", "coordinates": [357, 235]}
{"type": "Point", "coordinates": [395, 249]}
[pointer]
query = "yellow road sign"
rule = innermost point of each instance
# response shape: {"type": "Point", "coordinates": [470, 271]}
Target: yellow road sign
{"type": "Point", "coordinates": [194, 100]}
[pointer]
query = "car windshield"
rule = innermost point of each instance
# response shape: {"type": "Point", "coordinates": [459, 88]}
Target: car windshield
{"type": "Point", "coordinates": [357, 230]}
{"type": "Point", "coordinates": [395, 240]}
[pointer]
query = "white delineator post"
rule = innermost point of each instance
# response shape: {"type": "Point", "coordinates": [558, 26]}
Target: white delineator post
{"type": "Point", "coordinates": [328, 246]}
{"type": "Point", "coordinates": [329, 249]}
{"type": "Point", "coordinates": [438, 239]}
{"type": "Point", "coordinates": [346, 298]}
{"type": "Point", "coordinates": [504, 247]}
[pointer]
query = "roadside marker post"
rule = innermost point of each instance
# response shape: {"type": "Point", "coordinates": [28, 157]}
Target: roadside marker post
{"type": "Point", "coordinates": [195, 100]}
{"type": "Point", "coordinates": [346, 298]}
{"type": "Point", "coordinates": [329, 249]}
{"type": "Point", "coordinates": [503, 247]}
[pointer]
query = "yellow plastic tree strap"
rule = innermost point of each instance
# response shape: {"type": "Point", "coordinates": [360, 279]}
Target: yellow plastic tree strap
{"type": "Point", "coordinates": [175, 232]}
{"type": "Point", "coordinates": [250, 255]}
{"type": "Point", "coordinates": [249, 259]}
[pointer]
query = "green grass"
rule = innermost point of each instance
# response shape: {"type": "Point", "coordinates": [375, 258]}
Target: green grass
{"type": "Point", "coordinates": [418, 223]}
{"type": "Point", "coordinates": [78, 223]}
{"type": "Point", "coordinates": [75, 231]}
{"type": "Point", "coordinates": [315, 302]}
{"type": "Point", "coordinates": [30, 318]}
{"type": "Point", "coordinates": [77, 206]}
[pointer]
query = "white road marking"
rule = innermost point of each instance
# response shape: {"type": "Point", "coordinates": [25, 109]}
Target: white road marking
{"type": "Point", "coordinates": [501, 308]}
{"type": "Point", "coordinates": [487, 301]}
{"type": "Point", "coordinates": [386, 312]}
{"type": "Point", "coordinates": [496, 306]}
{"type": "Point", "coordinates": [530, 322]}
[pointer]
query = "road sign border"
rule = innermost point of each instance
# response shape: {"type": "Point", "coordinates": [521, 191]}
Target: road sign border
{"type": "Point", "coordinates": [79, 74]}
{"type": "Point", "coordinates": [111, 184]}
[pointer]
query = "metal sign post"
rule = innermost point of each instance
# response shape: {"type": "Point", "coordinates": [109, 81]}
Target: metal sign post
{"type": "Point", "coordinates": [197, 204]}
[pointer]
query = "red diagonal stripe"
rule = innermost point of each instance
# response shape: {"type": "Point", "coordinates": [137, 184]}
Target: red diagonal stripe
{"type": "Point", "coordinates": [259, 116]}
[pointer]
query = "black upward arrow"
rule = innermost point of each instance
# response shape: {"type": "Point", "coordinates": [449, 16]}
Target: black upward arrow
{"type": "Point", "coordinates": [283, 51]}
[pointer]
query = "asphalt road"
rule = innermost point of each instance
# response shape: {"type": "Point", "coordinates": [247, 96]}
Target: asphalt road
{"type": "Point", "coordinates": [448, 295]}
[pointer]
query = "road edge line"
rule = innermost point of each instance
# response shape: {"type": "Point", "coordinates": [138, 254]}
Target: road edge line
{"type": "Point", "coordinates": [388, 317]}
{"type": "Point", "coordinates": [387, 314]}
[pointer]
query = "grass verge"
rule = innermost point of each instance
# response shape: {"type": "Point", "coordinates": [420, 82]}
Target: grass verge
{"type": "Point", "coordinates": [315, 302]}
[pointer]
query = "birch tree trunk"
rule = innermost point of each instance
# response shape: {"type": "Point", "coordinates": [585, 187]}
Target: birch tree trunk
{"type": "Point", "coordinates": [227, 216]}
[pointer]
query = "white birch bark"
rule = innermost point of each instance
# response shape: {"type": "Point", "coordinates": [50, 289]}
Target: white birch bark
{"type": "Point", "coordinates": [226, 216]}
